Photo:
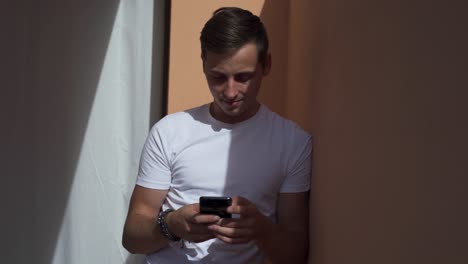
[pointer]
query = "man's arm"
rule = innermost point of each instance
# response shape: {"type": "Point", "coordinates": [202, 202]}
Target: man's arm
{"type": "Point", "coordinates": [283, 242]}
{"type": "Point", "coordinates": [141, 232]}
{"type": "Point", "coordinates": [288, 241]}
{"type": "Point", "coordinates": [143, 235]}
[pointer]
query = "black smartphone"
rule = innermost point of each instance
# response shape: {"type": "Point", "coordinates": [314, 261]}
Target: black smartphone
{"type": "Point", "coordinates": [215, 205]}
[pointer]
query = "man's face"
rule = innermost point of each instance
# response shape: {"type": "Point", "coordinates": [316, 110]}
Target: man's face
{"type": "Point", "coordinates": [234, 79]}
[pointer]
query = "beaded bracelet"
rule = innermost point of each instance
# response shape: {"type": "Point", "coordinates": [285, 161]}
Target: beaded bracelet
{"type": "Point", "coordinates": [163, 225]}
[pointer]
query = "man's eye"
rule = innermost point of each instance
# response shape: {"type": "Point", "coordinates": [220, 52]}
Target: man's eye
{"type": "Point", "coordinates": [243, 77]}
{"type": "Point", "coordinates": [217, 78]}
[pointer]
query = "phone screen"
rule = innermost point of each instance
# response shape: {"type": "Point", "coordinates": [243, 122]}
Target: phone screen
{"type": "Point", "coordinates": [215, 205]}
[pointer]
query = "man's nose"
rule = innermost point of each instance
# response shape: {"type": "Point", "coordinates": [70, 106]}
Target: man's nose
{"type": "Point", "coordinates": [230, 92]}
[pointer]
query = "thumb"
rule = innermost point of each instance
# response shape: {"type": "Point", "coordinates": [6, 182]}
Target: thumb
{"type": "Point", "coordinates": [239, 200]}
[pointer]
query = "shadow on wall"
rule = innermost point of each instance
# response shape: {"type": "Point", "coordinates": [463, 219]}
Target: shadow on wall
{"type": "Point", "coordinates": [54, 52]}
{"type": "Point", "coordinates": [275, 17]}
{"type": "Point", "coordinates": [288, 89]}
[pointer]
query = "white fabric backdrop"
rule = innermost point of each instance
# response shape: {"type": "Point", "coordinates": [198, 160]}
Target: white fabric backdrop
{"type": "Point", "coordinates": [75, 111]}
{"type": "Point", "coordinates": [91, 230]}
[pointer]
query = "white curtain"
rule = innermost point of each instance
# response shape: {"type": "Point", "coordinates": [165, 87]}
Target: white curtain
{"type": "Point", "coordinates": [91, 230]}
{"type": "Point", "coordinates": [78, 109]}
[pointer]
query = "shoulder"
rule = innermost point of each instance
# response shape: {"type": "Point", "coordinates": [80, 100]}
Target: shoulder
{"type": "Point", "coordinates": [286, 128]}
{"type": "Point", "coordinates": [179, 128]}
{"type": "Point", "coordinates": [180, 120]}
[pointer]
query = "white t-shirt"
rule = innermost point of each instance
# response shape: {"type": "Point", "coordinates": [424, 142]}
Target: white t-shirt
{"type": "Point", "coordinates": [191, 154]}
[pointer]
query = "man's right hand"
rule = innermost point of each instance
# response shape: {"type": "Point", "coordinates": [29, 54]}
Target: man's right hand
{"type": "Point", "coordinates": [188, 224]}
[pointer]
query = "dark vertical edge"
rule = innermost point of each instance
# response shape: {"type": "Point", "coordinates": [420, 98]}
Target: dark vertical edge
{"type": "Point", "coordinates": [167, 38]}
{"type": "Point", "coordinates": [160, 60]}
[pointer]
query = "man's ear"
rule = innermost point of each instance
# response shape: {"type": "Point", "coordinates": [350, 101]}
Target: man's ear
{"type": "Point", "coordinates": [267, 65]}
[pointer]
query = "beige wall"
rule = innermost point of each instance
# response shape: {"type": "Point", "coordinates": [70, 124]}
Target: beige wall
{"type": "Point", "coordinates": [381, 86]}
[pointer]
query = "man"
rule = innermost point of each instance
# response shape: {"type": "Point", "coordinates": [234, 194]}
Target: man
{"type": "Point", "coordinates": [234, 146]}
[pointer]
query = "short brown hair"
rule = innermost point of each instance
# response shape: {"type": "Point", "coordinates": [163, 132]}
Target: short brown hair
{"type": "Point", "coordinates": [230, 28]}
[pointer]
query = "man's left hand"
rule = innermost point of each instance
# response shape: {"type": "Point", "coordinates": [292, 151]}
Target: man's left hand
{"type": "Point", "coordinates": [251, 225]}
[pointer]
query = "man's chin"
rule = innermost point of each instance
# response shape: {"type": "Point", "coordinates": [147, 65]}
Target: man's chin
{"type": "Point", "coordinates": [233, 112]}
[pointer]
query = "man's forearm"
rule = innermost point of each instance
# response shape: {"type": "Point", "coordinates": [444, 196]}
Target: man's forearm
{"type": "Point", "coordinates": [142, 235]}
{"type": "Point", "coordinates": [284, 246]}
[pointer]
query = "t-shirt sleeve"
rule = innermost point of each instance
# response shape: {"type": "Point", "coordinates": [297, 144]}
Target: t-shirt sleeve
{"type": "Point", "coordinates": [298, 172]}
{"type": "Point", "coordinates": [155, 170]}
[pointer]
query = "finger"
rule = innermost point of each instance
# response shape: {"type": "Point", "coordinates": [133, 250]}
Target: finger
{"type": "Point", "coordinates": [197, 229]}
{"type": "Point", "coordinates": [234, 209]}
{"type": "Point", "coordinates": [239, 200]}
{"type": "Point", "coordinates": [241, 210]}
{"type": "Point", "coordinates": [204, 219]}
{"type": "Point", "coordinates": [231, 232]}
{"type": "Point", "coordinates": [241, 205]}
{"type": "Point", "coordinates": [233, 240]}
{"type": "Point", "coordinates": [234, 223]}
